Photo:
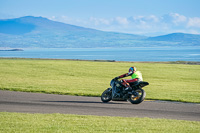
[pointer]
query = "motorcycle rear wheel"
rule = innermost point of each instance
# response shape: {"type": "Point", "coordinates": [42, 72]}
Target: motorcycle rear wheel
{"type": "Point", "coordinates": [106, 96]}
{"type": "Point", "coordinates": [136, 99]}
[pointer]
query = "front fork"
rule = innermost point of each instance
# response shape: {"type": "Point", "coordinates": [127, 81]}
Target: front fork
{"type": "Point", "coordinates": [109, 89]}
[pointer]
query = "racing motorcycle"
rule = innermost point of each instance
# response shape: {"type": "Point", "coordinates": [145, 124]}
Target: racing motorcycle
{"type": "Point", "coordinates": [117, 92]}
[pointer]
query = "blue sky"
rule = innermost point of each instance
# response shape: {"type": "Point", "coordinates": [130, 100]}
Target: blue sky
{"type": "Point", "coordinates": [144, 17]}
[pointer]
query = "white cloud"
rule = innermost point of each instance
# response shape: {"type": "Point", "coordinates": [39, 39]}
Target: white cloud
{"type": "Point", "coordinates": [142, 19]}
{"type": "Point", "coordinates": [100, 21]}
{"type": "Point", "coordinates": [153, 18]}
{"type": "Point", "coordinates": [177, 18]}
{"type": "Point", "coordinates": [109, 21]}
{"type": "Point", "coordinates": [146, 25]}
{"type": "Point", "coordinates": [122, 20]}
{"type": "Point", "coordinates": [194, 22]}
{"type": "Point", "coordinates": [52, 17]}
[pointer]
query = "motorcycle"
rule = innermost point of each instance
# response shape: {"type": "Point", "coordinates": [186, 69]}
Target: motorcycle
{"type": "Point", "coordinates": [117, 92]}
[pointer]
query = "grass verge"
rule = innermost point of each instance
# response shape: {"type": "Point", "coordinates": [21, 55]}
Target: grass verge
{"type": "Point", "coordinates": [172, 82]}
{"type": "Point", "coordinates": [52, 123]}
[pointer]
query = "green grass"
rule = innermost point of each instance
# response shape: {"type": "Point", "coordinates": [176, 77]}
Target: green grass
{"type": "Point", "coordinates": [174, 82]}
{"type": "Point", "coordinates": [54, 123]}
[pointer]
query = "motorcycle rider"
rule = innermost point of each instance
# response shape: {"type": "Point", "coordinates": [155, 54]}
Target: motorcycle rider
{"type": "Point", "coordinates": [136, 78]}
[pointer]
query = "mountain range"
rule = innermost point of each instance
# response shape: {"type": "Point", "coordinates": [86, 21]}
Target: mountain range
{"type": "Point", "coordinates": [39, 32]}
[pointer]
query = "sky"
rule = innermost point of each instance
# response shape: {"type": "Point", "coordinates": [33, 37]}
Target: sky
{"type": "Point", "coordinates": [143, 17]}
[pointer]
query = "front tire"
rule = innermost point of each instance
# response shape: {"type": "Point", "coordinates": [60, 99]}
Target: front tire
{"type": "Point", "coordinates": [136, 99]}
{"type": "Point", "coordinates": [106, 96]}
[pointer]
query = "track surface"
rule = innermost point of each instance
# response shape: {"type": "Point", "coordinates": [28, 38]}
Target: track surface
{"type": "Point", "coordinates": [49, 103]}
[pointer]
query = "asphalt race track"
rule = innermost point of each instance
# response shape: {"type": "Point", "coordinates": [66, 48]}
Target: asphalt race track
{"type": "Point", "coordinates": [48, 103]}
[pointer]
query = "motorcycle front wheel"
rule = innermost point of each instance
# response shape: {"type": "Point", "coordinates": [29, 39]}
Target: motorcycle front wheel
{"type": "Point", "coordinates": [136, 99]}
{"type": "Point", "coordinates": [106, 96]}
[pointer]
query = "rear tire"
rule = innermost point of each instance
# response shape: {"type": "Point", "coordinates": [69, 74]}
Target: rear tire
{"type": "Point", "coordinates": [106, 96]}
{"type": "Point", "coordinates": [137, 99]}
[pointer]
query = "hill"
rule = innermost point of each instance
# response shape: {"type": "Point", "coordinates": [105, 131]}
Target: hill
{"type": "Point", "coordinates": [29, 31]}
{"type": "Point", "coordinates": [178, 38]}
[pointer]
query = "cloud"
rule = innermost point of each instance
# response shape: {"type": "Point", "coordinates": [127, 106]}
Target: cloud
{"type": "Point", "coordinates": [177, 18]}
{"type": "Point", "coordinates": [146, 25]}
{"type": "Point", "coordinates": [194, 22]}
{"type": "Point", "coordinates": [100, 21]}
{"type": "Point", "coordinates": [110, 21]}
{"type": "Point", "coordinates": [144, 19]}
{"type": "Point", "coordinates": [122, 20]}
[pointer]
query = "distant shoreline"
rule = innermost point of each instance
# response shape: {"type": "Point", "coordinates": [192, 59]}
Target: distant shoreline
{"type": "Point", "coordinates": [164, 62]}
{"type": "Point", "coordinates": [11, 50]}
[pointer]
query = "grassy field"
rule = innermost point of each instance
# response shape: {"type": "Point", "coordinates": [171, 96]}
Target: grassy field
{"type": "Point", "coordinates": [174, 82]}
{"type": "Point", "coordinates": [54, 123]}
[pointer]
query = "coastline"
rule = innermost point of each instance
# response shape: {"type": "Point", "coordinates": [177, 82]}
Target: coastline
{"type": "Point", "coordinates": [11, 49]}
{"type": "Point", "coordinates": [116, 54]}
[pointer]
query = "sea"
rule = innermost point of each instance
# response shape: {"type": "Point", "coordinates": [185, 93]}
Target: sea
{"type": "Point", "coordinates": [155, 54]}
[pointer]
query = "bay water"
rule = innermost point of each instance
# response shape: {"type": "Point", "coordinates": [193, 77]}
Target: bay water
{"type": "Point", "coordinates": [118, 54]}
